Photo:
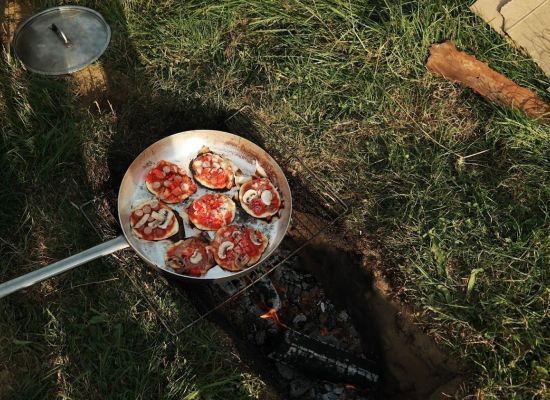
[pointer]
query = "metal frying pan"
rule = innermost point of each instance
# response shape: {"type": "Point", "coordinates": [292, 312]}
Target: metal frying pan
{"type": "Point", "coordinates": [180, 148]}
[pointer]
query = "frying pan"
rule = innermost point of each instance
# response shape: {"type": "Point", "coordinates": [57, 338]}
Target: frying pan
{"type": "Point", "coordinates": [180, 148]}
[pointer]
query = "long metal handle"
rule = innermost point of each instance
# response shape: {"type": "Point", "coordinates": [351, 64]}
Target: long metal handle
{"type": "Point", "coordinates": [59, 267]}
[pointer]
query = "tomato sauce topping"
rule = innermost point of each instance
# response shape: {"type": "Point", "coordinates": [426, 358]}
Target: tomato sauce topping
{"type": "Point", "coordinates": [243, 243]}
{"type": "Point", "coordinates": [212, 169]}
{"type": "Point", "coordinates": [256, 203]}
{"type": "Point", "coordinates": [211, 211]}
{"type": "Point", "coordinates": [190, 257]}
{"type": "Point", "coordinates": [170, 182]}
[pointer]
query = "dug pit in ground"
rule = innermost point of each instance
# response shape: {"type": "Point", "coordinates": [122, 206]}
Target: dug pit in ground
{"type": "Point", "coordinates": [412, 365]}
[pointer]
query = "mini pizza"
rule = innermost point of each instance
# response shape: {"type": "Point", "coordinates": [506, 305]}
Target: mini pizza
{"type": "Point", "coordinates": [154, 221]}
{"type": "Point", "coordinates": [212, 170]}
{"type": "Point", "coordinates": [211, 211]}
{"type": "Point", "coordinates": [260, 198]}
{"type": "Point", "coordinates": [170, 183]}
{"type": "Point", "coordinates": [190, 257]}
{"type": "Point", "coordinates": [238, 247]}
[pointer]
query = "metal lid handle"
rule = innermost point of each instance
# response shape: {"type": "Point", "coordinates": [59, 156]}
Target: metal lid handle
{"type": "Point", "coordinates": [61, 35]}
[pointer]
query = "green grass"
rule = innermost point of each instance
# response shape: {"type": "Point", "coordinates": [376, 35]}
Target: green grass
{"type": "Point", "coordinates": [455, 189]}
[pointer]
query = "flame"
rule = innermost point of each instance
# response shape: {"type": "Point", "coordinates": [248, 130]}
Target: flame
{"type": "Point", "coordinates": [272, 315]}
{"type": "Point", "coordinates": [350, 386]}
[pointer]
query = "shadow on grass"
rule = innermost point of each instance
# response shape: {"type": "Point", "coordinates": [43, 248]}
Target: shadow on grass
{"type": "Point", "coordinates": [143, 116]}
{"type": "Point", "coordinates": [154, 119]}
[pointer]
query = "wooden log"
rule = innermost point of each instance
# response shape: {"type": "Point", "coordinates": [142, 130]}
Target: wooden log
{"type": "Point", "coordinates": [321, 360]}
{"type": "Point", "coordinates": [462, 68]}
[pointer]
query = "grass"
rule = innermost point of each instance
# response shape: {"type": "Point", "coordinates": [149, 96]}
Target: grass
{"type": "Point", "coordinates": [455, 189]}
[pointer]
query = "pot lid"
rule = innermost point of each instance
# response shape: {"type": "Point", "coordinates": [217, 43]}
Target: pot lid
{"type": "Point", "coordinates": [61, 40]}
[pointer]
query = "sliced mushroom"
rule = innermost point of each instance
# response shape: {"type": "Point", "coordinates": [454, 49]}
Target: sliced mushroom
{"type": "Point", "coordinates": [157, 216]}
{"type": "Point", "coordinates": [165, 213]}
{"type": "Point", "coordinates": [164, 225]}
{"type": "Point", "coordinates": [196, 257]}
{"type": "Point", "coordinates": [249, 195]}
{"type": "Point", "coordinates": [255, 238]}
{"type": "Point", "coordinates": [156, 185]}
{"type": "Point", "coordinates": [166, 169]}
{"type": "Point", "coordinates": [142, 221]}
{"type": "Point", "coordinates": [223, 249]}
{"type": "Point", "coordinates": [138, 213]}
{"type": "Point", "coordinates": [259, 170]}
{"type": "Point", "coordinates": [266, 197]}
{"type": "Point", "coordinates": [153, 224]}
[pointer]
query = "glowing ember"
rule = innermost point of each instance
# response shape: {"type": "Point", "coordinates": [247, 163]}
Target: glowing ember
{"type": "Point", "coordinates": [272, 315]}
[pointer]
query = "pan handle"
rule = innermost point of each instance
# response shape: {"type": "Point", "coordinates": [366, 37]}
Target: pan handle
{"type": "Point", "coordinates": [59, 267]}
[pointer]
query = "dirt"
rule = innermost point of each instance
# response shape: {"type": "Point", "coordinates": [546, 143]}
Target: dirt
{"type": "Point", "coordinates": [234, 37]}
{"type": "Point", "coordinates": [90, 85]}
{"type": "Point", "coordinates": [413, 365]}
{"type": "Point", "coordinates": [13, 13]}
